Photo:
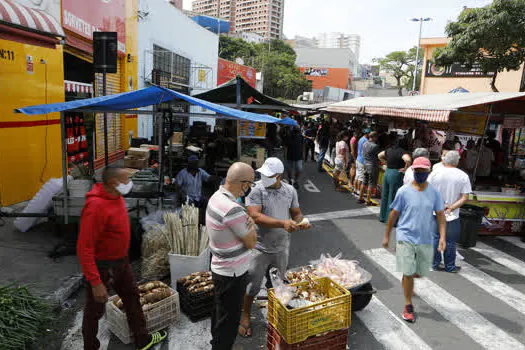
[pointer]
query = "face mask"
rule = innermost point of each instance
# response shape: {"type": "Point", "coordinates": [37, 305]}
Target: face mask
{"type": "Point", "coordinates": [421, 177]}
{"type": "Point", "coordinates": [268, 181]}
{"type": "Point", "coordinates": [247, 192]}
{"type": "Point", "coordinates": [124, 189]}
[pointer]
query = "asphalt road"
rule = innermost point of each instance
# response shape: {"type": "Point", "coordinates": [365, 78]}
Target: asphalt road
{"type": "Point", "coordinates": [482, 307]}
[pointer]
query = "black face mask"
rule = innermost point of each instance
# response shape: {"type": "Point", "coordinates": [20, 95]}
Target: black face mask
{"type": "Point", "coordinates": [247, 192]}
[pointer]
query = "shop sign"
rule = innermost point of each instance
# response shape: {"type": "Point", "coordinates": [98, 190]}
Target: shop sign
{"type": "Point", "coordinates": [251, 130]}
{"type": "Point", "coordinates": [229, 70]}
{"type": "Point", "coordinates": [467, 123]}
{"type": "Point", "coordinates": [513, 123]}
{"type": "Point", "coordinates": [85, 17]}
{"type": "Point", "coordinates": [456, 70]}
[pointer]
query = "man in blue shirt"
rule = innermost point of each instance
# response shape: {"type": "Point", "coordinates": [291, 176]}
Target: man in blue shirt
{"type": "Point", "coordinates": [360, 166]}
{"type": "Point", "coordinates": [414, 206]}
{"type": "Point", "coordinates": [190, 180]}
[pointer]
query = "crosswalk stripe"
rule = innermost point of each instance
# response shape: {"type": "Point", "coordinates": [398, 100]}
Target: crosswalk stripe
{"type": "Point", "coordinates": [515, 240]}
{"type": "Point", "coordinates": [342, 214]}
{"type": "Point", "coordinates": [388, 329]}
{"type": "Point", "coordinates": [494, 287]}
{"type": "Point", "coordinates": [451, 308]}
{"type": "Point", "coordinates": [500, 257]}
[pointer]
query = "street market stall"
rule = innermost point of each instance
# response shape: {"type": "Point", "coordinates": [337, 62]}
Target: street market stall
{"type": "Point", "coordinates": [471, 116]}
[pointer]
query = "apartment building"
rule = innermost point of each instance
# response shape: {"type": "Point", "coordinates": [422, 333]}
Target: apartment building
{"type": "Point", "coordinates": [263, 17]}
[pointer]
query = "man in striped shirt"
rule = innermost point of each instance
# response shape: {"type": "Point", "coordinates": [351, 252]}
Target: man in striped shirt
{"type": "Point", "coordinates": [232, 237]}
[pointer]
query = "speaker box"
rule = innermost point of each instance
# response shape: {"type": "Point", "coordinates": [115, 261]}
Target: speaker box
{"type": "Point", "coordinates": [105, 49]}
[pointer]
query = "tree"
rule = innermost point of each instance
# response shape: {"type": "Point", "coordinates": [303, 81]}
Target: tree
{"type": "Point", "coordinates": [401, 65]}
{"type": "Point", "coordinates": [276, 60]}
{"type": "Point", "coordinates": [492, 36]}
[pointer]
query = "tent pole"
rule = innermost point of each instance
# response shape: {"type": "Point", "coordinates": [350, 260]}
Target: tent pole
{"type": "Point", "coordinates": [238, 101]}
{"type": "Point", "coordinates": [106, 151]}
{"type": "Point", "coordinates": [161, 155]}
{"type": "Point", "coordinates": [64, 166]}
{"type": "Point", "coordinates": [481, 148]}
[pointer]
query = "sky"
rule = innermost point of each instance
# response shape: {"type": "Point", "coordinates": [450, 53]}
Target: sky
{"type": "Point", "coordinates": [384, 25]}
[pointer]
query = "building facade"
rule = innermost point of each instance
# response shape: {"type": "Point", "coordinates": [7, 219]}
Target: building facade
{"type": "Point", "coordinates": [445, 79]}
{"type": "Point", "coordinates": [263, 17]}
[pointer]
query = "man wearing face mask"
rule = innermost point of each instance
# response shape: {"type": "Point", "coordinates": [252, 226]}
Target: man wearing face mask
{"type": "Point", "coordinates": [274, 207]}
{"type": "Point", "coordinates": [102, 250]}
{"type": "Point", "coordinates": [414, 206]}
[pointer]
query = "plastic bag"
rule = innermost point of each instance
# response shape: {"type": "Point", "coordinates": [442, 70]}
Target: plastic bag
{"type": "Point", "coordinates": [283, 292]}
{"type": "Point", "coordinates": [343, 272]}
{"type": "Point", "coordinates": [150, 221]}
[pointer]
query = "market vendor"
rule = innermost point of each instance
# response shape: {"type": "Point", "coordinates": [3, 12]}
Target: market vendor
{"type": "Point", "coordinates": [189, 181]}
{"type": "Point", "coordinates": [274, 207]}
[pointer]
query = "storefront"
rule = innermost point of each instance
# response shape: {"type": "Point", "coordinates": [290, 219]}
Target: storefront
{"type": "Point", "coordinates": [498, 182]}
{"type": "Point", "coordinates": [80, 20]}
{"type": "Point", "coordinates": [31, 72]}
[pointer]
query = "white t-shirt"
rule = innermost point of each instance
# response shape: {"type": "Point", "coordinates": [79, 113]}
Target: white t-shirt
{"type": "Point", "coordinates": [451, 183]}
{"type": "Point", "coordinates": [437, 166]}
{"type": "Point", "coordinates": [409, 176]}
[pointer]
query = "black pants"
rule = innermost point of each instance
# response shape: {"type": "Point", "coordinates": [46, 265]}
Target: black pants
{"type": "Point", "coordinates": [227, 309]}
{"type": "Point", "coordinates": [309, 146]}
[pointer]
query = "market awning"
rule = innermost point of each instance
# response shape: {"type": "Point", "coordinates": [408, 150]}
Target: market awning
{"type": "Point", "coordinates": [431, 108]}
{"type": "Point", "coordinates": [12, 13]}
{"type": "Point", "coordinates": [146, 97]}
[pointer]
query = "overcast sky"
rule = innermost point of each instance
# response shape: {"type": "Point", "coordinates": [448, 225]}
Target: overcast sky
{"type": "Point", "coordinates": [384, 25]}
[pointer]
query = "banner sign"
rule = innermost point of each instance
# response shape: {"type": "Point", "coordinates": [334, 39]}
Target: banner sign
{"type": "Point", "coordinates": [229, 70]}
{"type": "Point", "coordinates": [252, 130]}
{"type": "Point", "coordinates": [456, 70]}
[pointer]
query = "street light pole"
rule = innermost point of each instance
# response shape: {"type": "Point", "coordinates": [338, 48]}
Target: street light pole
{"type": "Point", "coordinates": [420, 20]}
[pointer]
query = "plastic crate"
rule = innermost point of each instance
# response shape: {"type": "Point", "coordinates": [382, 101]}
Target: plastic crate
{"type": "Point", "coordinates": [297, 325]}
{"type": "Point", "coordinates": [336, 340]}
{"type": "Point", "coordinates": [196, 306]}
{"type": "Point", "coordinates": [163, 314]}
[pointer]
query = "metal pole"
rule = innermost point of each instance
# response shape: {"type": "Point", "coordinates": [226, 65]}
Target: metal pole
{"type": "Point", "coordinates": [161, 154]}
{"type": "Point", "coordinates": [239, 101]}
{"type": "Point", "coordinates": [64, 166]}
{"type": "Point", "coordinates": [481, 146]}
{"type": "Point", "coordinates": [417, 54]}
{"type": "Point", "coordinates": [106, 149]}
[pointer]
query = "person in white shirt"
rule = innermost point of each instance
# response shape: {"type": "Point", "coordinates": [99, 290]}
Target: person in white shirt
{"type": "Point", "coordinates": [454, 186]}
{"type": "Point", "coordinates": [409, 173]}
{"type": "Point", "coordinates": [440, 165]}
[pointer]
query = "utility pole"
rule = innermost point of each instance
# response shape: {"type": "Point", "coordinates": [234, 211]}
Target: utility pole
{"type": "Point", "coordinates": [420, 20]}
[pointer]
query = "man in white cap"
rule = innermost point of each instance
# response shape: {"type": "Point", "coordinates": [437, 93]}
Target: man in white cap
{"type": "Point", "coordinates": [274, 207]}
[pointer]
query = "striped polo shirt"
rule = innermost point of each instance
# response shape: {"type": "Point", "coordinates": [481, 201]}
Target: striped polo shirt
{"type": "Point", "coordinates": [227, 223]}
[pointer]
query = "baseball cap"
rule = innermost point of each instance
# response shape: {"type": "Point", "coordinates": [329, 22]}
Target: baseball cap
{"type": "Point", "coordinates": [421, 163]}
{"type": "Point", "coordinates": [193, 158]}
{"type": "Point", "coordinates": [367, 130]}
{"type": "Point", "coordinates": [271, 167]}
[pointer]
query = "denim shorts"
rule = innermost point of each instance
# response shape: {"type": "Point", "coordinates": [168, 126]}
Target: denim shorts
{"type": "Point", "coordinates": [414, 259]}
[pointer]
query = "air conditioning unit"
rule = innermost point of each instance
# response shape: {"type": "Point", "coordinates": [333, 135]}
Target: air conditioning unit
{"type": "Point", "coordinates": [308, 96]}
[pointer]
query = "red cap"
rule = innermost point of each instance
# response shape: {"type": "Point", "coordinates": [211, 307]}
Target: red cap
{"type": "Point", "coordinates": [421, 163]}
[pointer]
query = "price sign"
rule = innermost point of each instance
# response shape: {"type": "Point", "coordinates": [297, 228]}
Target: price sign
{"type": "Point", "coordinates": [252, 130]}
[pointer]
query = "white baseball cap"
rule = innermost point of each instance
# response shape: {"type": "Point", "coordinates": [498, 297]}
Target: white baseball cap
{"type": "Point", "coordinates": [271, 167]}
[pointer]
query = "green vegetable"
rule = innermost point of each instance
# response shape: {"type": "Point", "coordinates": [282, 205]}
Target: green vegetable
{"type": "Point", "coordinates": [23, 317]}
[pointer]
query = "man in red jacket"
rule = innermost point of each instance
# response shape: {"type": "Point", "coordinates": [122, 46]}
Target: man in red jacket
{"type": "Point", "coordinates": [102, 250]}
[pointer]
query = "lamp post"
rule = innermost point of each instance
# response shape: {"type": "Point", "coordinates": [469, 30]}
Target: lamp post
{"type": "Point", "coordinates": [420, 20]}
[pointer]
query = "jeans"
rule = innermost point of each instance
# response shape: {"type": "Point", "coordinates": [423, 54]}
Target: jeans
{"type": "Point", "coordinates": [227, 309]}
{"type": "Point", "coordinates": [453, 230]}
{"type": "Point", "coordinates": [320, 160]}
{"type": "Point", "coordinates": [126, 287]}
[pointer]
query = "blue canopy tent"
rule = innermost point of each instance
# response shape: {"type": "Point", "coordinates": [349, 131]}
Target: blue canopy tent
{"type": "Point", "coordinates": [125, 103]}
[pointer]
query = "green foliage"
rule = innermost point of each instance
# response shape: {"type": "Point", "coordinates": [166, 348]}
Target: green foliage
{"type": "Point", "coordinates": [492, 36]}
{"type": "Point", "coordinates": [282, 78]}
{"type": "Point", "coordinates": [401, 65]}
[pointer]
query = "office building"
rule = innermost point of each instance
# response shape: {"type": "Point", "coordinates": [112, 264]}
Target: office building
{"type": "Point", "coordinates": [262, 17]}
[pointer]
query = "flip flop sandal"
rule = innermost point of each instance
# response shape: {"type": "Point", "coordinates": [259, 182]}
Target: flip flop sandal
{"type": "Point", "coordinates": [156, 338]}
{"type": "Point", "coordinates": [247, 331]}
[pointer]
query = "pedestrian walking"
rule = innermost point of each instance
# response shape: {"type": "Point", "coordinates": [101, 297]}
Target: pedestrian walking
{"type": "Point", "coordinates": [232, 237]}
{"type": "Point", "coordinates": [397, 162]}
{"type": "Point", "coordinates": [323, 138]}
{"type": "Point", "coordinates": [371, 168]}
{"type": "Point", "coordinates": [309, 145]}
{"type": "Point", "coordinates": [454, 187]}
{"type": "Point", "coordinates": [274, 207]}
{"type": "Point", "coordinates": [409, 173]}
{"type": "Point", "coordinates": [412, 210]}
{"type": "Point", "coordinates": [342, 155]}
{"type": "Point", "coordinates": [360, 167]}
{"type": "Point", "coordinates": [294, 156]}
{"type": "Point", "coordinates": [353, 156]}
{"type": "Point", "coordinates": [102, 251]}
{"type": "Point", "coordinates": [335, 128]}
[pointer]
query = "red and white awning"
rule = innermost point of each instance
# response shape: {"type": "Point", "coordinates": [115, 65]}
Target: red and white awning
{"type": "Point", "coordinates": [73, 86]}
{"type": "Point", "coordinates": [12, 13]}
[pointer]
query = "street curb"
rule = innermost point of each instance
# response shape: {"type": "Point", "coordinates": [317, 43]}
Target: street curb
{"type": "Point", "coordinates": [69, 286]}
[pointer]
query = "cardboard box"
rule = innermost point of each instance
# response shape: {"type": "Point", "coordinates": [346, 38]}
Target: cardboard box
{"type": "Point", "coordinates": [138, 152]}
{"type": "Point", "coordinates": [135, 163]}
{"type": "Point", "coordinates": [177, 137]}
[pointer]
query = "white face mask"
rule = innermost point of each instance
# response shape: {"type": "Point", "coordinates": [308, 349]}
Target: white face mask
{"type": "Point", "coordinates": [124, 189]}
{"type": "Point", "coordinates": [268, 181]}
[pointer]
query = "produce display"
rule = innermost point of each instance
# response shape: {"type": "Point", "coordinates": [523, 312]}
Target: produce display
{"type": "Point", "coordinates": [150, 293]}
{"type": "Point", "coordinates": [155, 249]}
{"type": "Point", "coordinates": [198, 282]}
{"type": "Point", "coordinates": [183, 233]}
{"type": "Point", "coordinates": [343, 272]}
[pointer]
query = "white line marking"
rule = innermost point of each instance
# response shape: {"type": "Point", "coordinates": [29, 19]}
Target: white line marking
{"type": "Point", "coordinates": [343, 214]}
{"type": "Point", "coordinates": [73, 339]}
{"type": "Point", "coordinates": [451, 308]}
{"type": "Point", "coordinates": [388, 329]}
{"type": "Point", "coordinates": [515, 240]}
{"type": "Point", "coordinates": [494, 287]}
{"type": "Point", "coordinates": [501, 258]}
{"type": "Point", "coordinates": [310, 187]}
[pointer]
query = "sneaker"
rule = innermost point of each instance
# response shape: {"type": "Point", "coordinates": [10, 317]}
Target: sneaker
{"type": "Point", "coordinates": [455, 269]}
{"type": "Point", "coordinates": [408, 313]}
{"type": "Point", "coordinates": [155, 338]}
{"type": "Point", "coordinates": [438, 268]}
